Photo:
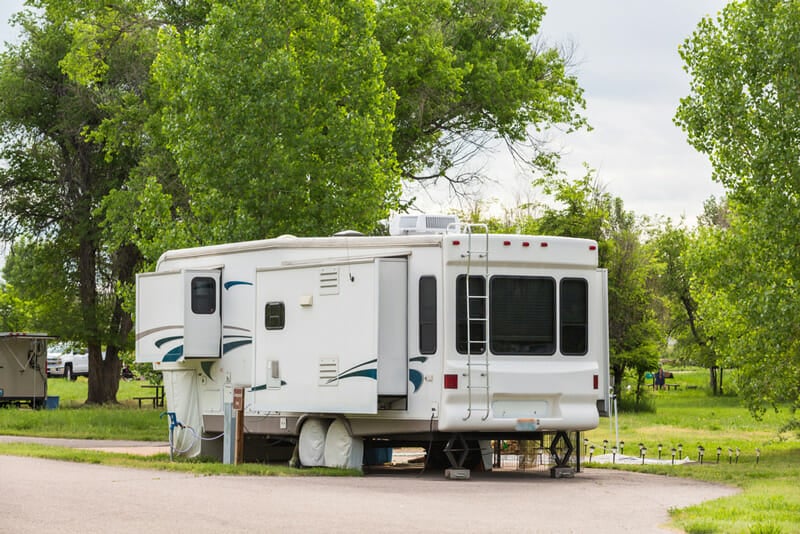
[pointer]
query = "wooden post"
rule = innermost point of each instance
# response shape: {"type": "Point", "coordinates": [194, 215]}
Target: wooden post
{"type": "Point", "coordinates": [238, 406]}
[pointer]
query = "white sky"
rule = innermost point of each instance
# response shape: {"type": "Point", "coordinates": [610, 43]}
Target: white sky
{"type": "Point", "coordinates": [628, 65]}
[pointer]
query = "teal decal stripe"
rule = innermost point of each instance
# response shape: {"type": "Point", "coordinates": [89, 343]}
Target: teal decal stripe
{"type": "Point", "coordinates": [416, 378]}
{"type": "Point", "coordinates": [421, 359]}
{"type": "Point", "coordinates": [367, 373]}
{"type": "Point", "coordinates": [174, 355]}
{"type": "Point", "coordinates": [227, 347]}
{"type": "Point", "coordinates": [163, 340]}
{"type": "Point", "coordinates": [259, 387]}
{"type": "Point", "coordinates": [228, 285]}
{"type": "Point", "coordinates": [206, 367]}
{"type": "Point", "coordinates": [357, 366]}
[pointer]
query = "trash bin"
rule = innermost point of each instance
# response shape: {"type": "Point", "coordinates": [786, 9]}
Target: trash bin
{"type": "Point", "coordinates": [51, 403]}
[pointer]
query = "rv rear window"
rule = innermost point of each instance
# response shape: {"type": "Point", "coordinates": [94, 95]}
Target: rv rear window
{"type": "Point", "coordinates": [274, 316]}
{"type": "Point", "coordinates": [204, 295]}
{"type": "Point", "coordinates": [574, 316]}
{"type": "Point", "coordinates": [471, 325]}
{"type": "Point", "coordinates": [427, 315]}
{"type": "Point", "coordinates": [522, 317]}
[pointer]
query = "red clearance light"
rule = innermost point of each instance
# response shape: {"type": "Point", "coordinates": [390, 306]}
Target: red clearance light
{"type": "Point", "coordinates": [592, 247]}
{"type": "Point", "coordinates": [450, 381]}
{"type": "Point", "coordinates": [456, 242]}
{"type": "Point", "coordinates": [506, 243]}
{"type": "Point", "coordinates": [525, 244]}
{"type": "Point", "coordinates": [596, 381]}
{"type": "Point", "coordinates": [543, 244]}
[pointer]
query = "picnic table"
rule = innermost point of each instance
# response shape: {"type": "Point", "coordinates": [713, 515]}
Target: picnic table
{"type": "Point", "coordinates": [156, 397]}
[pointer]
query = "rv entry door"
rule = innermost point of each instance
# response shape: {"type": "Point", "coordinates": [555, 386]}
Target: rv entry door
{"type": "Point", "coordinates": [202, 318]}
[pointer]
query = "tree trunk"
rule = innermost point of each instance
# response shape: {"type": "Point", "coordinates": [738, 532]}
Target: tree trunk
{"type": "Point", "coordinates": [713, 379]}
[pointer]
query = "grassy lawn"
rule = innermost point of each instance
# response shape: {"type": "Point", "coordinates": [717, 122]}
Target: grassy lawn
{"type": "Point", "coordinates": [769, 501]}
{"type": "Point", "coordinates": [770, 498]}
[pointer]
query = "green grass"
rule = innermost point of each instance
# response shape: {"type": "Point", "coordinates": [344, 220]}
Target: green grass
{"type": "Point", "coordinates": [75, 420]}
{"type": "Point", "coordinates": [770, 497]}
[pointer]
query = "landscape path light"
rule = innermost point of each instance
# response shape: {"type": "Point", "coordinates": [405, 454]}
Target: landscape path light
{"type": "Point", "coordinates": [700, 452]}
{"type": "Point", "coordinates": [738, 451]}
{"type": "Point", "coordinates": [758, 455]}
{"type": "Point", "coordinates": [605, 444]}
{"type": "Point", "coordinates": [622, 447]}
{"type": "Point", "coordinates": [673, 455]}
{"type": "Point", "coordinates": [719, 451]}
{"type": "Point", "coordinates": [644, 453]}
{"type": "Point", "coordinates": [591, 452]}
{"type": "Point", "coordinates": [585, 445]}
{"type": "Point", "coordinates": [613, 455]}
{"type": "Point", "coordinates": [680, 451]}
{"type": "Point", "coordinates": [730, 456]}
{"type": "Point", "coordinates": [659, 450]}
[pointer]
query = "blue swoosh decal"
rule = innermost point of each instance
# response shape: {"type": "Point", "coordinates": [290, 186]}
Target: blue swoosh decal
{"type": "Point", "coordinates": [228, 285]}
{"type": "Point", "coordinates": [173, 355]}
{"type": "Point", "coordinates": [416, 378]}
{"type": "Point", "coordinates": [163, 340]}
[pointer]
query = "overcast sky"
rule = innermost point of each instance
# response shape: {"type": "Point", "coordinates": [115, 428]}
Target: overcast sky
{"type": "Point", "coordinates": [628, 65]}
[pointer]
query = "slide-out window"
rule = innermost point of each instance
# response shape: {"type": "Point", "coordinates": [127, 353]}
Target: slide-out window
{"type": "Point", "coordinates": [204, 295]}
{"type": "Point", "coordinates": [427, 314]}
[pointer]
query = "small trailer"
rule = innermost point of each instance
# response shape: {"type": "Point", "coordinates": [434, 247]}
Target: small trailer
{"type": "Point", "coordinates": [23, 369]}
{"type": "Point", "coordinates": [440, 335]}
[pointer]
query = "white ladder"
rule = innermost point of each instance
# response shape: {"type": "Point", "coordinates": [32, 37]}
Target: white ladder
{"type": "Point", "coordinates": [477, 256]}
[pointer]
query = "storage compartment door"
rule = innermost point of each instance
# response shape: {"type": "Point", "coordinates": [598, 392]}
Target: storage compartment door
{"type": "Point", "coordinates": [202, 318]}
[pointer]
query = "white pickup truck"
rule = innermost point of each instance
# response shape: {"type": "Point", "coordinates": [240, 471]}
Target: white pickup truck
{"type": "Point", "coordinates": [68, 363]}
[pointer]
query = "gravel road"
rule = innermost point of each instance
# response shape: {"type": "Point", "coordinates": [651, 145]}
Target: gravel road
{"type": "Point", "coordinates": [46, 495]}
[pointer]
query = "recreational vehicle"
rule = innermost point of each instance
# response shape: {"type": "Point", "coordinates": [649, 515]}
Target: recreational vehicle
{"type": "Point", "coordinates": [440, 335]}
{"type": "Point", "coordinates": [23, 369]}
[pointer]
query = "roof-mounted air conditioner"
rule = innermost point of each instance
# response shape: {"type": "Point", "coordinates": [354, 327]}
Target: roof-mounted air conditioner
{"type": "Point", "coordinates": [420, 224]}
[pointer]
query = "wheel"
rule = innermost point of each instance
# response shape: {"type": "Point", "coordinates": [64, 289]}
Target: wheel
{"type": "Point", "coordinates": [68, 374]}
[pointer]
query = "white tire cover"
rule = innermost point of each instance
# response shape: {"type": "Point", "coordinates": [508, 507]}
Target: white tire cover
{"type": "Point", "coordinates": [342, 450]}
{"type": "Point", "coordinates": [312, 442]}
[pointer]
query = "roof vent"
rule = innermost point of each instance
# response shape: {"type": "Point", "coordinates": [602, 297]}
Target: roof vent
{"type": "Point", "coordinates": [420, 224]}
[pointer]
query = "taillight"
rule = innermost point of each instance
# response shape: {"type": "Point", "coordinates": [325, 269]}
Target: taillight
{"type": "Point", "coordinates": [596, 381]}
{"type": "Point", "coordinates": [450, 381]}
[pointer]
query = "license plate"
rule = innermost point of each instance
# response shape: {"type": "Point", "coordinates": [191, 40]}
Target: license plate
{"type": "Point", "coordinates": [526, 425]}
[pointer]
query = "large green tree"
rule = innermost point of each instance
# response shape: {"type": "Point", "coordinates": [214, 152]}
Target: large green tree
{"type": "Point", "coordinates": [54, 179]}
{"type": "Point", "coordinates": [743, 112]}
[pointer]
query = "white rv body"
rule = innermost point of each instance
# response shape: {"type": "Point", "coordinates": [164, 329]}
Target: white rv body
{"type": "Point", "coordinates": [373, 331]}
{"type": "Point", "coordinates": [23, 368]}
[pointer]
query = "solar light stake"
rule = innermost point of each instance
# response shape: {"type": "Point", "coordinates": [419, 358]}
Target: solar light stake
{"type": "Point", "coordinates": [738, 451]}
{"type": "Point", "coordinates": [585, 444]}
{"type": "Point", "coordinates": [730, 455]}
{"type": "Point", "coordinates": [644, 453]}
{"type": "Point", "coordinates": [613, 455]}
{"type": "Point", "coordinates": [719, 451]}
{"type": "Point", "coordinates": [605, 444]}
{"type": "Point", "coordinates": [622, 447]}
{"type": "Point", "coordinates": [758, 455]}
{"type": "Point", "coordinates": [680, 451]}
{"type": "Point", "coordinates": [659, 451]}
{"type": "Point", "coordinates": [673, 455]}
{"type": "Point", "coordinates": [700, 452]}
{"type": "Point", "coordinates": [591, 452]}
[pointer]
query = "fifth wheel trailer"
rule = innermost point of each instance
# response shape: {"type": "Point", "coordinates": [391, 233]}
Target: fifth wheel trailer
{"type": "Point", "coordinates": [440, 335]}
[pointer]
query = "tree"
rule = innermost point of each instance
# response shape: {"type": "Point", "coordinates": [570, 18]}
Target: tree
{"type": "Point", "coordinates": [743, 113]}
{"type": "Point", "coordinates": [301, 141]}
{"type": "Point", "coordinates": [55, 179]}
{"type": "Point", "coordinates": [685, 325]}
{"type": "Point", "coordinates": [467, 73]}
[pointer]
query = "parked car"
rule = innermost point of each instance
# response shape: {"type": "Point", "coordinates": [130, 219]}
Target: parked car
{"type": "Point", "coordinates": [67, 362]}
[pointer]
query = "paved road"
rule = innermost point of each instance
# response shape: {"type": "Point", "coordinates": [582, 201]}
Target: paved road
{"type": "Point", "coordinates": [47, 496]}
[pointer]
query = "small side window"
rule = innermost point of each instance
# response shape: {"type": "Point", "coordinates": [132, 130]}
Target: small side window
{"type": "Point", "coordinates": [574, 316]}
{"type": "Point", "coordinates": [274, 316]}
{"type": "Point", "coordinates": [427, 315]}
{"type": "Point", "coordinates": [204, 295]}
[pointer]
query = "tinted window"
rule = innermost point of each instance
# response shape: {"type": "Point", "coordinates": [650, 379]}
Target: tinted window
{"type": "Point", "coordinates": [474, 326]}
{"type": "Point", "coordinates": [574, 314]}
{"type": "Point", "coordinates": [427, 315]}
{"type": "Point", "coordinates": [274, 316]}
{"type": "Point", "coordinates": [522, 315]}
{"type": "Point", "coordinates": [204, 295]}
